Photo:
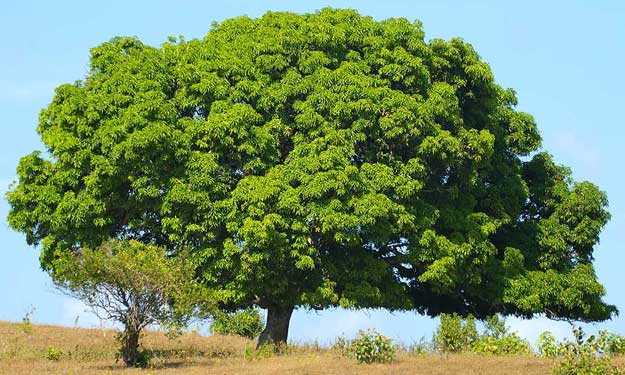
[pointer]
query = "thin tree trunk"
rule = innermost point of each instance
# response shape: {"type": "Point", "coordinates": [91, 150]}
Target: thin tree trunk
{"type": "Point", "coordinates": [276, 330]}
{"type": "Point", "coordinates": [130, 346]}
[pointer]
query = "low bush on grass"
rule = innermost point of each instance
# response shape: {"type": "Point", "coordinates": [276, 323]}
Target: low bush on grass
{"type": "Point", "coordinates": [612, 343]}
{"type": "Point", "coordinates": [144, 359]}
{"type": "Point", "coordinates": [371, 346]}
{"type": "Point", "coordinates": [548, 346]}
{"type": "Point", "coordinates": [265, 351]}
{"type": "Point", "coordinates": [606, 343]}
{"type": "Point", "coordinates": [456, 334]}
{"type": "Point", "coordinates": [510, 344]}
{"type": "Point", "coordinates": [497, 339]}
{"type": "Point", "coordinates": [53, 354]}
{"type": "Point", "coordinates": [586, 356]}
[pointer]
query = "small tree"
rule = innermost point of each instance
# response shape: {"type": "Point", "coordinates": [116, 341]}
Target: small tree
{"type": "Point", "coordinates": [134, 284]}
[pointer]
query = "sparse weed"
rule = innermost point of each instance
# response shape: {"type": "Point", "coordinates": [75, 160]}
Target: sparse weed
{"type": "Point", "coordinates": [421, 347]}
{"type": "Point", "coordinates": [27, 326]}
{"type": "Point", "coordinates": [342, 347]}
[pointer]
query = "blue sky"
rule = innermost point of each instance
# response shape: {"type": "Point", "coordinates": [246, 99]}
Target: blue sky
{"type": "Point", "coordinates": [564, 59]}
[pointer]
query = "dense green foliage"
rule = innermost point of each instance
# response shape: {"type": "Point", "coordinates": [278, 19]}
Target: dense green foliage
{"type": "Point", "coordinates": [369, 346]}
{"type": "Point", "coordinates": [247, 323]}
{"type": "Point", "coordinates": [372, 347]}
{"type": "Point", "coordinates": [317, 160]}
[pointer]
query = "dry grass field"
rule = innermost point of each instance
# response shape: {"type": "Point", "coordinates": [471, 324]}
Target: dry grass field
{"type": "Point", "coordinates": [92, 351]}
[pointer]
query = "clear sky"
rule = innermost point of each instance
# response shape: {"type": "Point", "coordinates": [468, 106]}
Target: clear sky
{"type": "Point", "coordinates": [564, 58]}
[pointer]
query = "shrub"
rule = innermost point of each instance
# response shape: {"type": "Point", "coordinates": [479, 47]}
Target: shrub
{"type": "Point", "coordinates": [144, 359]}
{"type": "Point", "coordinates": [612, 343]}
{"type": "Point", "coordinates": [263, 352]}
{"type": "Point", "coordinates": [585, 357]}
{"type": "Point", "coordinates": [548, 346]}
{"type": "Point", "coordinates": [53, 354]}
{"type": "Point", "coordinates": [586, 364]}
{"type": "Point", "coordinates": [497, 340]}
{"type": "Point", "coordinates": [509, 344]}
{"type": "Point", "coordinates": [454, 334]}
{"type": "Point", "coordinates": [247, 323]}
{"type": "Point", "coordinates": [371, 346]}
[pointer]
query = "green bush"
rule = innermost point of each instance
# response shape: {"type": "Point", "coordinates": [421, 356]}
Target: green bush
{"type": "Point", "coordinates": [53, 354]}
{"type": "Point", "coordinates": [266, 351]}
{"type": "Point", "coordinates": [455, 334]}
{"type": "Point", "coordinates": [585, 357]}
{"type": "Point", "coordinates": [371, 346]}
{"type": "Point", "coordinates": [144, 359]}
{"type": "Point", "coordinates": [586, 364]}
{"type": "Point", "coordinates": [247, 323]}
{"type": "Point", "coordinates": [548, 346]}
{"type": "Point", "coordinates": [612, 343]}
{"type": "Point", "coordinates": [497, 340]}
{"type": "Point", "coordinates": [510, 344]}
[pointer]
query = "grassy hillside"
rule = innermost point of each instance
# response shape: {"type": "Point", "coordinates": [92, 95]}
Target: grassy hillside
{"type": "Point", "coordinates": [92, 351]}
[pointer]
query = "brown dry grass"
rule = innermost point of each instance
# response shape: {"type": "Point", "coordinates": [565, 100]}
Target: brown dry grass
{"type": "Point", "coordinates": [92, 351]}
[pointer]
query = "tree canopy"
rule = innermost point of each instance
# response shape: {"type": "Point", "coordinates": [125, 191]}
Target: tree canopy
{"type": "Point", "coordinates": [317, 160]}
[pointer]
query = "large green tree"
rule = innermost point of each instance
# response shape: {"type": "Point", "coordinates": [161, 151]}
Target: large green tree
{"type": "Point", "coordinates": [317, 160]}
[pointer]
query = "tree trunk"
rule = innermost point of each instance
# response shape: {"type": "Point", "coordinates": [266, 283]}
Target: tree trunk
{"type": "Point", "coordinates": [130, 346]}
{"type": "Point", "coordinates": [276, 330]}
